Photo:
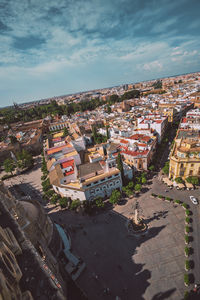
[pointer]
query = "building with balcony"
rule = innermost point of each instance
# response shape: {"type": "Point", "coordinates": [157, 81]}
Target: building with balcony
{"type": "Point", "coordinates": [185, 155]}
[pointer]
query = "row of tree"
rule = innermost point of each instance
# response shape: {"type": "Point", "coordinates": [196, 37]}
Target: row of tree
{"type": "Point", "coordinates": [10, 115]}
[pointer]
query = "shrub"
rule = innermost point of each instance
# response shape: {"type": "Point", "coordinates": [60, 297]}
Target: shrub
{"type": "Point", "coordinates": [187, 251]}
{"type": "Point", "coordinates": [187, 229]}
{"type": "Point", "coordinates": [187, 239]}
{"type": "Point", "coordinates": [186, 279]}
{"type": "Point", "coordinates": [187, 220]}
{"type": "Point", "coordinates": [154, 195]}
{"type": "Point", "coordinates": [184, 205]}
{"type": "Point", "coordinates": [168, 199]}
{"type": "Point", "coordinates": [177, 201]}
{"type": "Point", "coordinates": [160, 196]}
{"type": "Point", "coordinates": [187, 212]}
{"type": "Point", "coordinates": [187, 265]}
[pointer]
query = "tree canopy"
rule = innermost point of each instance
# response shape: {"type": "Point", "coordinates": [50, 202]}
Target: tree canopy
{"type": "Point", "coordinates": [9, 165]}
{"type": "Point", "coordinates": [120, 166]}
{"type": "Point", "coordinates": [115, 196]}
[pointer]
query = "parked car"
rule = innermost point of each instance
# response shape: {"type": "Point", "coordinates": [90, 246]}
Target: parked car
{"type": "Point", "coordinates": [194, 200]}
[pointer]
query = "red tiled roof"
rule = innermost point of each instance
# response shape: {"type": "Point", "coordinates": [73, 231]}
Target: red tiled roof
{"type": "Point", "coordinates": [135, 153]}
{"type": "Point", "coordinates": [69, 166]}
{"type": "Point", "coordinates": [56, 149]}
{"type": "Point", "coordinates": [58, 139]}
{"type": "Point", "coordinates": [124, 142]}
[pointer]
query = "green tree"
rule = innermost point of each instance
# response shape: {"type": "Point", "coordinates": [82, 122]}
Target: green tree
{"type": "Point", "coordinates": [24, 159]}
{"type": "Point", "coordinates": [165, 169]}
{"type": "Point", "coordinates": [120, 167]}
{"type": "Point", "coordinates": [179, 180]}
{"type": "Point", "coordinates": [107, 132]}
{"type": "Point", "coordinates": [144, 181]}
{"type": "Point", "coordinates": [115, 196]}
{"type": "Point", "coordinates": [131, 185]}
{"type": "Point", "coordinates": [9, 165]}
{"type": "Point", "coordinates": [65, 132]}
{"type": "Point", "coordinates": [54, 198]}
{"type": "Point", "coordinates": [193, 179]}
{"type": "Point", "coordinates": [49, 193]}
{"type": "Point", "coordinates": [46, 185]}
{"type": "Point", "coordinates": [99, 202]}
{"type": "Point", "coordinates": [75, 204]}
{"type": "Point", "coordinates": [137, 187]}
{"type": "Point", "coordinates": [127, 191]}
{"type": "Point", "coordinates": [151, 168]}
{"type": "Point", "coordinates": [64, 202]}
{"type": "Point", "coordinates": [131, 94]}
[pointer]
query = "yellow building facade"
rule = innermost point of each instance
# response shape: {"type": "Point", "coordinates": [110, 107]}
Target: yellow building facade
{"type": "Point", "coordinates": [185, 159]}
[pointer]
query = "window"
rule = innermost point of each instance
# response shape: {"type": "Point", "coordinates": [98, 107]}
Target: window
{"type": "Point", "coordinates": [192, 165]}
{"type": "Point", "coordinates": [88, 184]}
{"type": "Point", "coordinates": [109, 177]}
{"type": "Point", "coordinates": [97, 190]}
{"type": "Point", "coordinates": [103, 179]}
{"type": "Point", "coordinates": [191, 172]}
{"type": "Point", "coordinates": [95, 182]}
{"type": "Point", "coordinates": [111, 184]}
{"type": "Point", "coordinates": [116, 175]}
{"type": "Point", "coordinates": [182, 165]}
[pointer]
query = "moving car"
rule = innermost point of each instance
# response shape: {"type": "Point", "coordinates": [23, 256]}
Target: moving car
{"type": "Point", "coordinates": [194, 200]}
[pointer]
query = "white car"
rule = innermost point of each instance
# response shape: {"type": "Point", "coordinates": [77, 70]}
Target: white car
{"type": "Point", "coordinates": [194, 200]}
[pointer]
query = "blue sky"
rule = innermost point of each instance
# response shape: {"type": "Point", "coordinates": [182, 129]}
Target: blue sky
{"type": "Point", "coordinates": [50, 47]}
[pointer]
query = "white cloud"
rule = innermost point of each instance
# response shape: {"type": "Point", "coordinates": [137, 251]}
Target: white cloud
{"type": "Point", "coordinates": [154, 65]}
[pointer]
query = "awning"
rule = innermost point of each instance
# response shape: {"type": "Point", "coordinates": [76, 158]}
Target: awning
{"type": "Point", "coordinates": [189, 185]}
{"type": "Point", "coordinates": [181, 185]}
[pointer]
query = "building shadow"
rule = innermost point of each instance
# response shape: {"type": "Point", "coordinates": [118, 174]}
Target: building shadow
{"type": "Point", "coordinates": [107, 248]}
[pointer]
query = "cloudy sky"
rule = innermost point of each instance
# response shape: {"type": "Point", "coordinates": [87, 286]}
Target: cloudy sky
{"type": "Point", "coordinates": [50, 47]}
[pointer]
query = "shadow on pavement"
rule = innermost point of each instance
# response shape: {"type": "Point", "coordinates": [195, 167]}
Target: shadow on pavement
{"type": "Point", "coordinates": [163, 295]}
{"type": "Point", "coordinates": [104, 244]}
{"type": "Point", "coordinates": [157, 216]}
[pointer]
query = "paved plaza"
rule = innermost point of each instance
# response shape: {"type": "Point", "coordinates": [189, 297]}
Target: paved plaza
{"type": "Point", "coordinates": [149, 267]}
{"type": "Point", "coordinates": [130, 267]}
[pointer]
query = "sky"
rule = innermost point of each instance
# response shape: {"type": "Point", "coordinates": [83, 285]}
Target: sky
{"type": "Point", "coordinates": [50, 48]}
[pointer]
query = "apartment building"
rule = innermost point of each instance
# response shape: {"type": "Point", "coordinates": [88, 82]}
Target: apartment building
{"type": "Point", "coordinates": [87, 181]}
{"type": "Point", "coordinates": [138, 150]}
{"type": "Point", "coordinates": [155, 122]}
